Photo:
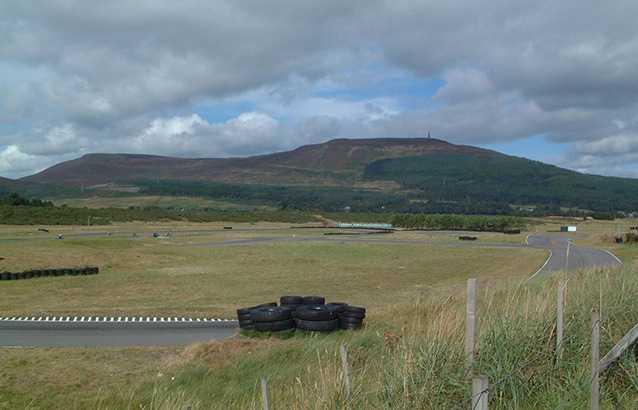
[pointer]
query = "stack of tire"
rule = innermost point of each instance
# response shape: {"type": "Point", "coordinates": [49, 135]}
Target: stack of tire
{"type": "Point", "coordinates": [243, 314]}
{"type": "Point", "coordinates": [309, 313]}
{"type": "Point", "coordinates": [37, 273]}
{"type": "Point", "coordinates": [352, 317]}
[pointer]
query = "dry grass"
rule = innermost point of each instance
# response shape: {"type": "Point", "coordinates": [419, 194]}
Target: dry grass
{"type": "Point", "coordinates": [409, 355]}
{"type": "Point", "coordinates": [143, 277]}
{"type": "Point", "coordinates": [75, 378]}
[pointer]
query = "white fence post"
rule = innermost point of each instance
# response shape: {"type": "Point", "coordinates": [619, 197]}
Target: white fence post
{"type": "Point", "coordinates": [346, 369]}
{"type": "Point", "coordinates": [470, 321]}
{"type": "Point", "coordinates": [559, 318]}
{"type": "Point", "coordinates": [264, 394]}
{"type": "Point", "coordinates": [479, 392]}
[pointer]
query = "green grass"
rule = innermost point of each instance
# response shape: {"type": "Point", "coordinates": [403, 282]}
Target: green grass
{"type": "Point", "coordinates": [164, 202]}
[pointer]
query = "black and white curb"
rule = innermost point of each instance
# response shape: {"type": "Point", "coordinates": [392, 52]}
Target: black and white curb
{"type": "Point", "coordinates": [121, 319]}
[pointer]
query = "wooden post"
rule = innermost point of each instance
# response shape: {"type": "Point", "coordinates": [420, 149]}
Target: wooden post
{"type": "Point", "coordinates": [479, 392]}
{"type": "Point", "coordinates": [346, 369]}
{"type": "Point", "coordinates": [264, 393]}
{"type": "Point", "coordinates": [624, 344]}
{"type": "Point", "coordinates": [594, 399]}
{"type": "Point", "coordinates": [470, 321]}
{"type": "Point", "coordinates": [559, 318]}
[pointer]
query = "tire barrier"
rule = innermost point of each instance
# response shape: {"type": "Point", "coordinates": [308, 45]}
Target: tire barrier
{"type": "Point", "coordinates": [309, 313]}
{"type": "Point", "coordinates": [40, 273]}
{"type": "Point", "coordinates": [467, 238]}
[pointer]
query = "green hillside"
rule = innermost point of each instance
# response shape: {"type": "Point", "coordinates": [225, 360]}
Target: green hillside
{"type": "Point", "coordinates": [504, 179]}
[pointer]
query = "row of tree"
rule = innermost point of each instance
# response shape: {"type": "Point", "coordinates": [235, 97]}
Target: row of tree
{"type": "Point", "coordinates": [458, 222]}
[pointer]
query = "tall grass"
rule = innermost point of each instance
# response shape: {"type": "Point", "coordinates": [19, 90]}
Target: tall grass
{"type": "Point", "coordinates": [410, 355]}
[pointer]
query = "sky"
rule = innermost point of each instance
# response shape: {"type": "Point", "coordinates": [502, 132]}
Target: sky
{"type": "Point", "coordinates": [554, 81]}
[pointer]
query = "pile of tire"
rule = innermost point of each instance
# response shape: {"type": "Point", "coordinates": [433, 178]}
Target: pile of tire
{"type": "Point", "coordinates": [308, 313]}
{"type": "Point", "coordinates": [39, 273]}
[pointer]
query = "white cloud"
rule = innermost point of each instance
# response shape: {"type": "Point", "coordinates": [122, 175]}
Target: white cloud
{"type": "Point", "coordinates": [191, 136]}
{"type": "Point", "coordinates": [14, 164]}
{"type": "Point", "coordinates": [611, 145]}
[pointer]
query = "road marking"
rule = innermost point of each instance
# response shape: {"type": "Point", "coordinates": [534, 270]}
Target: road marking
{"type": "Point", "coordinates": [542, 267]}
{"type": "Point", "coordinates": [600, 249]}
{"type": "Point", "coordinates": [110, 319]}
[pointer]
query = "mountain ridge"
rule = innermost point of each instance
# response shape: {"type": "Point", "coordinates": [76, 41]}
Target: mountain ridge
{"type": "Point", "coordinates": [335, 162]}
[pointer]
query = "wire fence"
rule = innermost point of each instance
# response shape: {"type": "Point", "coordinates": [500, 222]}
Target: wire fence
{"type": "Point", "coordinates": [573, 336]}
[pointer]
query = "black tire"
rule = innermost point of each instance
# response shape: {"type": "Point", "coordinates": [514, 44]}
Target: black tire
{"type": "Point", "coordinates": [46, 273]}
{"type": "Point", "coordinates": [293, 309]}
{"type": "Point", "coordinates": [245, 323]}
{"type": "Point", "coordinates": [355, 309]}
{"type": "Point", "coordinates": [244, 311]}
{"type": "Point", "coordinates": [37, 273]}
{"type": "Point", "coordinates": [68, 271]}
{"type": "Point", "coordinates": [313, 300]}
{"type": "Point", "coordinates": [95, 270]}
{"type": "Point", "coordinates": [350, 326]}
{"type": "Point", "coordinates": [291, 300]}
{"type": "Point", "coordinates": [28, 274]}
{"type": "Point", "coordinates": [274, 326]}
{"type": "Point", "coordinates": [86, 271]}
{"type": "Point", "coordinates": [247, 327]}
{"type": "Point", "coordinates": [318, 325]}
{"type": "Point", "coordinates": [6, 276]}
{"type": "Point", "coordinates": [270, 314]}
{"type": "Point", "coordinates": [340, 305]}
{"type": "Point", "coordinates": [317, 312]}
{"type": "Point", "coordinates": [353, 315]}
{"type": "Point", "coordinates": [13, 275]}
{"type": "Point", "coordinates": [245, 316]}
{"type": "Point", "coordinates": [269, 304]}
{"type": "Point", "coordinates": [75, 272]}
{"type": "Point", "coordinates": [291, 306]}
{"type": "Point", "coordinates": [345, 319]}
{"type": "Point", "coordinates": [21, 275]}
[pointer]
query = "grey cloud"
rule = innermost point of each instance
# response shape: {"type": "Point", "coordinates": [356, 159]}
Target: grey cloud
{"type": "Point", "coordinates": [109, 70]}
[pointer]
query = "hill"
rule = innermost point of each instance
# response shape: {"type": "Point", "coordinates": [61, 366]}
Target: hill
{"type": "Point", "coordinates": [335, 163]}
{"type": "Point", "coordinates": [504, 179]}
{"type": "Point", "coordinates": [365, 175]}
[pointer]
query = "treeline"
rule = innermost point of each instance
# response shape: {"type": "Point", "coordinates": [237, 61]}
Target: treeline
{"type": "Point", "coordinates": [505, 180]}
{"type": "Point", "coordinates": [286, 198]}
{"type": "Point", "coordinates": [319, 199]}
{"type": "Point", "coordinates": [457, 222]}
{"type": "Point", "coordinates": [63, 215]}
{"type": "Point", "coordinates": [14, 199]}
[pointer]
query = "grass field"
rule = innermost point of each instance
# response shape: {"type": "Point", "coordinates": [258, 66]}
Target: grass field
{"type": "Point", "coordinates": [408, 356]}
{"type": "Point", "coordinates": [157, 276]}
{"type": "Point", "coordinates": [164, 202]}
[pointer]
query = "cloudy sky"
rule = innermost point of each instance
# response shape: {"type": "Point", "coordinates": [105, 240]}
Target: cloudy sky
{"type": "Point", "coordinates": [555, 81]}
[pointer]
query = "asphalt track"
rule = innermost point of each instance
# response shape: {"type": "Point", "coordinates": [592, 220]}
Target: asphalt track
{"type": "Point", "coordinates": [563, 255]}
{"type": "Point", "coordinates": [33, 333]}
